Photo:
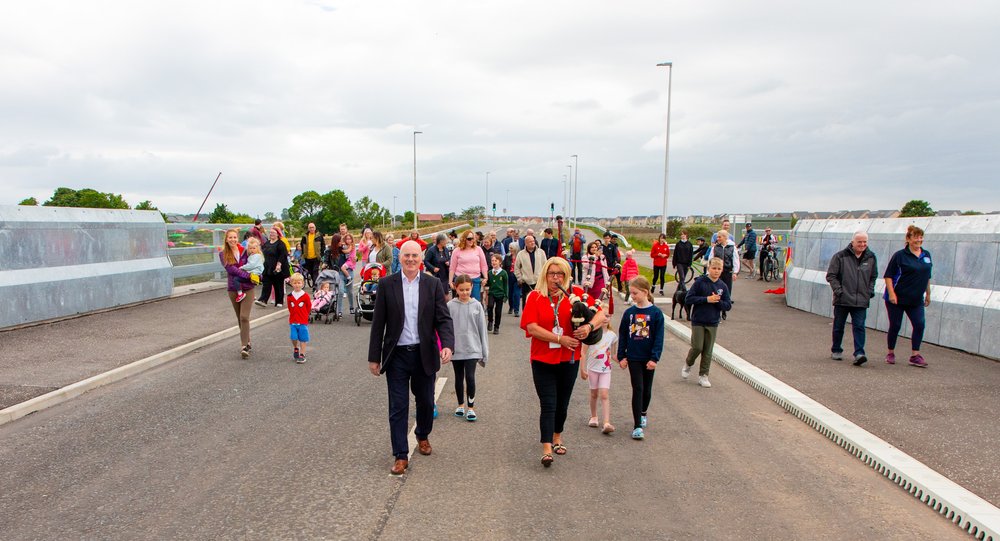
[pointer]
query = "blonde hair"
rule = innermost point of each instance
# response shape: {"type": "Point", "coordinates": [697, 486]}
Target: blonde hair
{"type": "Point", "coordinates": [252, 242]}
{"type": "Point", "coordinates": [721, 233]}
{"type": "Point", "coordinates": [297, 277]}
{"type": "Point", "coordinates": [716, 261]}
{"type": "Point", "coordinates": [642, 284]}
{"type": "Point", "coordinates": [542, 286]}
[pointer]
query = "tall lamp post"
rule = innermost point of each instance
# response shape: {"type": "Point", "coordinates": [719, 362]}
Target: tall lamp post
{"type": "Point", "coordinates": [576, 186]}
{"type": "Point", "coordinates": [569, 210]}
{"type": "Point", "coordinates": [415, 179]}
{"type": "Point", "coordinates": [394, 211]}
{"type": "Point", "coordinates": [506, 208]}
{"type": "Point", "coordinates": [564, 197]}
{"type": "Point", "coordinates": [666, 157]}
{"type": "Point", "coordinates": [486, 208]}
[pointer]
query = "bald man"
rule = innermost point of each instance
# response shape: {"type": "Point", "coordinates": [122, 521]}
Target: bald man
{"type": "Point", "coordinates": [852, 274]}
{"type": "Point", "coordinates": [410, 317]}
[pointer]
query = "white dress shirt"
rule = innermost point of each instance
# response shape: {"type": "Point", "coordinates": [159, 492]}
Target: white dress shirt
{"type": "Point", "coordinates": [411, 302]}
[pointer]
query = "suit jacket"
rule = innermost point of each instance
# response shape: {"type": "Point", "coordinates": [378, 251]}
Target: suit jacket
{"type": "Point", "coordinates": [432, 317]}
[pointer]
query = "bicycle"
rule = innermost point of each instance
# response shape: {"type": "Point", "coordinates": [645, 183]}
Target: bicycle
{"type": "Point", "coordinates": [771, 271]}
{"type": "Point", "coordinates": [691, 272]}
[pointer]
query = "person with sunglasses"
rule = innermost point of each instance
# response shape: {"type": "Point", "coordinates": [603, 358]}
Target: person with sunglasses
{"type": "Point", "coordinates": [468, 259]}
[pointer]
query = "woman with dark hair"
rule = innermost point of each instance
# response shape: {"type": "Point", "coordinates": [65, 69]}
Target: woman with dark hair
{"type": "Point", "coordinates": [908, 291]}
{"type": "Point", "coordinates": [232, 257]}
{"type": "Point", "coordinates": [660, 253]}
{"type": "Point", "coordinates": [275, 269]}
{"type": "Point", "coordinates": [683, 257]}
{"type": "Point", "coordinates": [436, 261]}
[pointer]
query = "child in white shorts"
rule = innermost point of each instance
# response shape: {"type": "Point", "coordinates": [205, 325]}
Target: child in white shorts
{"type": "Point", "coordinates": [597, 371]}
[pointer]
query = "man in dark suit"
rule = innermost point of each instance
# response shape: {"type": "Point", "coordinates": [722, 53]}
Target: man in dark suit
{"type": "Point", "coordinates": [410, 316]}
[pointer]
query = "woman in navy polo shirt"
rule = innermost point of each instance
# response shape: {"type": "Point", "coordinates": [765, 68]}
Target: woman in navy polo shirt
{"type": "Point", "coordinates": [908, 290]}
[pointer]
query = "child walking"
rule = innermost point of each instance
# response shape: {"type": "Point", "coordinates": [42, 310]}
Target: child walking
{"type": "Point", "coordinates": [471, 346]}
{"type": "Point", "coordinates": [254, 266]}
{"type": "Point", "coordinates": [496, 291]}
{"type": "Point", "coordinates": [597, 371]}
{"type": "Point", "coordinates": [299, 306]}
{"type": "Point", "coordinates": [639, 348]}
{"type": "Point", "coordinates": [709, 300]}
{"type": "Point", "coordinates": [630, 270]}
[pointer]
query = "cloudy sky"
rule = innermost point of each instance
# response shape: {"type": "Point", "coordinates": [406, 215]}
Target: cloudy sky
{"type": "Point", "coordinates": [776, 105]}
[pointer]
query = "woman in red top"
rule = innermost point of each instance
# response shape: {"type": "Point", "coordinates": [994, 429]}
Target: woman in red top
{"type": "Point", "coordinates": [660, 254]}
{"type": "Point", "coordinates": [555, 350]}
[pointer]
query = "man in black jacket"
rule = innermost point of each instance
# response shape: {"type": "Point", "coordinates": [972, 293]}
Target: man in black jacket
{"type": "Point", "coordinates": [852, 274]}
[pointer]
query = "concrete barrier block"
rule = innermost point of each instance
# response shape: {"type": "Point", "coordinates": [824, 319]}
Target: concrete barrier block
{"type": "Point", "coordinates": [796, 294]}
{"type": "Point", "coordinates": [989, 338]}
{"type": "Point", "coordinates": [943, 255]}
{"type": "Point", "coordinates": [974, 265]}
{"type": "Point", "coordinates": [959, 318]}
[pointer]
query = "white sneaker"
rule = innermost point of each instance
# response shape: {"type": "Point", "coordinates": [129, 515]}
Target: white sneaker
{"type": "Point", "coordinates": [703, 381]}
{"type": "Point", "coordinates": [686, 371]}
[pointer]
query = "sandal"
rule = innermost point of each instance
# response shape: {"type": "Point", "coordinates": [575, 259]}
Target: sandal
{"type": "Point", "coordinates": [559, 449]}
{"type": "Point", "coordinates": [547, 460]}
{"type": "Point", "coordinates": [593, 422]}
{"type": "Point", "coordinates": [608, 428]}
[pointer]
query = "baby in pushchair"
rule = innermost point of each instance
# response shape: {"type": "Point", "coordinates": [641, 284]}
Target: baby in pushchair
{"type": "Point", "coordinates": [366, 293]}
{"type": "Point", "coordinates": [326, 296]}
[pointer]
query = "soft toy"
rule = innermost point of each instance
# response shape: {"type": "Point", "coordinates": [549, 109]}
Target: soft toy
{"type": "Point", "coordinates": [582, 314]}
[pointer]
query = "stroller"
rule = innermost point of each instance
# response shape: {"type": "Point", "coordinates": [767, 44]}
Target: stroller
{"type": "Point", "coordinates": [324, 307]}
{"type": "Point", "coordinates": [365, 305]}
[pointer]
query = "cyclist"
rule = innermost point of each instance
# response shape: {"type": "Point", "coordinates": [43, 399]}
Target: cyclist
{"type": "Point", "coordinates": [767, 244]}
{"type": "Point", "coordinates": [750, 240]}
{"type": "Point", "coordinates": [683, 257]}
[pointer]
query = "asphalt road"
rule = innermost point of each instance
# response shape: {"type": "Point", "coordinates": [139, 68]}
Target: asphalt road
{"type": "Point", "coordinates": [211, 447]}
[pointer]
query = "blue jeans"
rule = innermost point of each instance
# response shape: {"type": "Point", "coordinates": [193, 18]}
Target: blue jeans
{"type": "Point", "coordinates": [916, 315]}
{"type": "Point", "coordinates": [858, 316]}
{"type": "Point", "coordinates": [476, 288]}
{"type": "Point", "coordinates": [514, 294]}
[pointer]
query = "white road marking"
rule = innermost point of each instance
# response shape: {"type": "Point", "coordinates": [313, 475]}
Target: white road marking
{"type": "Point", "coordinates": [412, 438]}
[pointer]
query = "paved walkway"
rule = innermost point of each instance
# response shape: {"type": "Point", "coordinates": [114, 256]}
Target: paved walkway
{"type": "Point", "coordinates": [210, 446]}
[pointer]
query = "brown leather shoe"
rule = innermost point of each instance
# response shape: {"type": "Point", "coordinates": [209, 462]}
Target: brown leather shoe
{"type": "Point", "coordinates": [399, 468]}
{"type": "Point", "coordinates": [424, 447]}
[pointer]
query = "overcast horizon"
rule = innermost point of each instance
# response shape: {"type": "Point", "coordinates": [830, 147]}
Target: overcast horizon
{"type": "Point", "coordinates": [775, 105]}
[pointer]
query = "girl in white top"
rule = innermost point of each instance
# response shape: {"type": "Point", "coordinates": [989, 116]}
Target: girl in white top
{"type": "Point", "coordinates": [597, 370]}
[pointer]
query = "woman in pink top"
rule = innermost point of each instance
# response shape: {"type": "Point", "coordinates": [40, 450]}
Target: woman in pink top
{"type": "Point", "coordinates": [468, 259]}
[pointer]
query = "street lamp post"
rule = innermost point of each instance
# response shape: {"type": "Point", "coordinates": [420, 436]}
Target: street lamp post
{"type": "Point", "coordinates": [394, 211]}
{"type": "Point", "coordinates": [506, 208]}
{"type": "Point", "coordinates": [576, 187]}
{"type": "Point", "coordinates": [666, 156]}
{"type": "Point", "coordinates": [415, 179]}
{"type": "Point", "coordinates": [570, 207]}
{"type": "Point", "coordinates": [564, 197]}
{"type": "Point", "coordinates": [486, 208]}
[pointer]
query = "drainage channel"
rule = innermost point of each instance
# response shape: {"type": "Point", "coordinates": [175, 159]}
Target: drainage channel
{"type": "Point", "coordinates": [971, 513]}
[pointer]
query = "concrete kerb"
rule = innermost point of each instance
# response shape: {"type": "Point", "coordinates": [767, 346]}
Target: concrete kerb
{"type": "Point", "coordinates": [73, 390]}
{"type": "Point", "coordinates": [970, 512]}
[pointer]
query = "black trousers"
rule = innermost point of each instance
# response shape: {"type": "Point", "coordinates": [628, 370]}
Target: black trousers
{"type": "Point", "coordinates": [642, 389]}
{"type": "Point", "coordinates": [312, 267]}
{"type": "Point", "coordinates": [494, 307]}
{"type": "Point", "coordinates": [661, 273]}
{"type": "Point", "coordinates": [576, 267]}
{"type": "Point", "coordinates": [525, 289]}
{"type": "Point", "coordinates": [554, 386]}
{"type": "Point", "coordinates": [275, 283]}
{"type": "Point", "coordinates": [465, 380]}
{"type": "Point", "coordinates": [727, 278]}
{"type": "Point", "coordinates": [405, 373]}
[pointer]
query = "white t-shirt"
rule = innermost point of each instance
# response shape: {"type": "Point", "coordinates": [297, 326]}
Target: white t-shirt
{"type": "Point", "coordinates": [599, 354]}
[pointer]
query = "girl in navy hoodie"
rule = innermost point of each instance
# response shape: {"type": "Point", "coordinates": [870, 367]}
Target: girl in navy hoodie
{"type": "Point", "coordinates": [708, 299]}
{"type": "Point", "coordinates": [640, 343]}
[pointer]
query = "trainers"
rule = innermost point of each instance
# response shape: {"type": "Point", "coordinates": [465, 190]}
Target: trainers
{"type": "Point", "coordinates": [860, 359]}
{"type": "Point", "coordinates": [496, 330]}
{"type": "Point", "coordinates": [435, 411]}
{"type": "Point", "coordinates": [260, 303]}
{"type": "Point", "coordinates": [703, 381]}
{"type": "Point", "coordinates": [301, 359]}
{"type": "Point", "coordinates": [637, 434]}
{"type": "Point", "coordinates": [918, 360]}
{"type": "Point", "coordinates": [240, 296]}
{"type": "Point", "coordinates": [642, 421]}
{"type": "Point", "coordinates": [685, 371]}
{"type": "Point", "coordinates": [890, 358]}
{"type": "Point", "coordinates": [470, 416]}
{"type": "Point", "coordinates": [460, 412]}
{"type": "Point", "coordinates": [723, 315]}
{"type": "Point", "coordinates": [279, 305]}
{"type": "Point", "coordinates": [837, 356]}
{"type": "Point", "coordinates": [245, 352]}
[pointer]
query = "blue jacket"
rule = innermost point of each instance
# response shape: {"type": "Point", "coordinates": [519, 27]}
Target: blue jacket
{"type": "Point", "coordinates": [640, 334]}
{"type": "Point", "coordinates": [705, 313]}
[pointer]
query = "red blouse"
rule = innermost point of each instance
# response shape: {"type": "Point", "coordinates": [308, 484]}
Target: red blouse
{"type": "Point", "coordinates": [540, 309]}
